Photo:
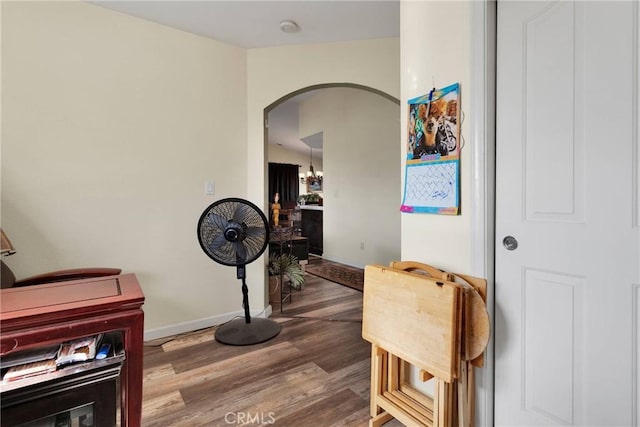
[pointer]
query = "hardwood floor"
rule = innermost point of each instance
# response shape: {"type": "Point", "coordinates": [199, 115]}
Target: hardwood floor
{"type": "Point", "coordinates": [315, 373]}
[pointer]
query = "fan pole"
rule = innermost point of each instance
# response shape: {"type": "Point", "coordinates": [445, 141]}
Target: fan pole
{"type": "Point", "coordinates": [245, 301]}
{"type": "Point", "coordinates": [247, 332]}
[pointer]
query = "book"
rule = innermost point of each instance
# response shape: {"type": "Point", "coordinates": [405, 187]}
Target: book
{"type": "Point", "coordinates": [28, 356]}
{"type": "Point", "coordinates": [80, 350]}
{"type": "Point", "coordinates": [31, 369]}
{"type": "Point", "coordinates": [40, 361]}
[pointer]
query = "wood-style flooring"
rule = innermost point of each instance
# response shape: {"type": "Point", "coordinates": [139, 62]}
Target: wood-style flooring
{"type": "Point", "coordinates": [315, 373]}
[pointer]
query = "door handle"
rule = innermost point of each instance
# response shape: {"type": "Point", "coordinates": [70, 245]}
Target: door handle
{"type": "Point", "coordinates": [510, 243]}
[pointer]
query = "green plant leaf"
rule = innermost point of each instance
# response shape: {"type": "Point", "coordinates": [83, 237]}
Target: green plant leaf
{"type": "Point", "coordinates": [288, 265]}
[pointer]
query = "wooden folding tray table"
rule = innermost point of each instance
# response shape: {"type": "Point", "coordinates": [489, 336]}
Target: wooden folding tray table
{"type": "Point", "coordinates": [417, 315]}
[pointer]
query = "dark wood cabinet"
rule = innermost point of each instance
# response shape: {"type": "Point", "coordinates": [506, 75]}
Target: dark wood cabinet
{"type": "Point", "coordinates": [41, 315]}
{"type": "Point", "coordinates": [312, 229]}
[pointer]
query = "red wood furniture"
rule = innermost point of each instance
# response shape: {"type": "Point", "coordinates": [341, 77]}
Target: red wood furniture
{"type": "Point", "coordinates": [39, 315]}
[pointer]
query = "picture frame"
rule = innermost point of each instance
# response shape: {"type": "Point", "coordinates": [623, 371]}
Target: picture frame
{"type": "Point", "coordinates": [314, 184]}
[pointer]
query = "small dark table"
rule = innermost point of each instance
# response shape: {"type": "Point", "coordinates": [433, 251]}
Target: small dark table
{"type": "Point", "coordinates": [299, 246]}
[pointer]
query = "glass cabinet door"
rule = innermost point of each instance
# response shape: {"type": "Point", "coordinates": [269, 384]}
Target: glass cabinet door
{"type": "Point", "coordinates": [78, 417]}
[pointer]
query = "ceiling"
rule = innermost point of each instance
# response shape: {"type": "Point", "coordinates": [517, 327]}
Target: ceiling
{"type": "Point", "coordinates": [283, 127]}
{"type": "Point", "coordinates": [256, 24]}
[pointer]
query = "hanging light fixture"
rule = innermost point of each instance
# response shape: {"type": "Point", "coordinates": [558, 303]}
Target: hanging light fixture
{"type": "Point", "coordinates": [311, 172]}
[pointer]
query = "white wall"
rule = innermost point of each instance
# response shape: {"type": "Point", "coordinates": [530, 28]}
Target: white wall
{"type": "Point", "coordinates": [110, 127]}
{"type": "Point", "coordinates": [361, 218]}
{"type": "Point", "coordinates": [276, 72]}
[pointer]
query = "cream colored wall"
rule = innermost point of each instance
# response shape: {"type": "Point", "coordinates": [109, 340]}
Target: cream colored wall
{"type": "Point", "coordinates": [361, 218]}
{"type": "Point", "coordinates": [279, 154]}
{"type": "Point", "coordinates": [276, 72]}
{"type": "Point", "coordinates": [440, 240]}
{"type": "Point", "coordinates": [110, 127]}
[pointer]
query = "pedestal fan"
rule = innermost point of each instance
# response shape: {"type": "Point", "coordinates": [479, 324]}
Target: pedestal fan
{"type": "Point", "coordinates": [235, 232]}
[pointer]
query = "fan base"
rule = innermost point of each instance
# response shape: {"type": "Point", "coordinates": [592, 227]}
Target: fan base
{"type": "Point", "coordinates": [238, 332]}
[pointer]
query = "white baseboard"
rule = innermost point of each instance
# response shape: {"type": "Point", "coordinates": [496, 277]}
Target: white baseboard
{"type": "Point", "coordinates": [194, 325]}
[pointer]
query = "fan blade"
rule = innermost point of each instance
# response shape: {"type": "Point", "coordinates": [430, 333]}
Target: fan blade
{"type": "Point", "coordinates": [218, 220]}
{"type": "Point", "coordinates": [255, 231]}
{"type": "Point", "coordinates": [241, 252]}
{"type": "Point", "coordinates": [217, 243]}
{"type": "Point", "coordinates": [238, 215]}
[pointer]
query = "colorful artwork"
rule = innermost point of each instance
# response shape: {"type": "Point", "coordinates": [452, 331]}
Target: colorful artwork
{"type": "Point", "coordinates": [433, 153]}
{"type": "Point", "coordinates": [314, 184]}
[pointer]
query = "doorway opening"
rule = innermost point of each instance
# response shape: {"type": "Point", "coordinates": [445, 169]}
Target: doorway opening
{"type": "Point", "coordinates": [344, 140]}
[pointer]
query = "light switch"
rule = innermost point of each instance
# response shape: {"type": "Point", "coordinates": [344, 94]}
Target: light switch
{"type": "Point", "coordinates": [210, 188]}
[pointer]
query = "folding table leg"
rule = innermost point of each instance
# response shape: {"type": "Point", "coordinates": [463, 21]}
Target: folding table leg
{"type": "Point", "coordinates": [443, 404]}
{"type": "Point", "coordinates": [463, 396]}
{"type": "Point", "coordinates": [378, 377]}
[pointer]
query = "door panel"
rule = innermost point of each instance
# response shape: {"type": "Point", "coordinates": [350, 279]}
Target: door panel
{"type": "Point", "coordinates": [553, 121]}
{"type": "Point", "coordinates": [559, 298]}
{"type": "Point", "coordinates": [566, 189]}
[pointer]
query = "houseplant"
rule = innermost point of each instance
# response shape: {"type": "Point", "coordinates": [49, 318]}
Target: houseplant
{"type": "Point", "coordinates": [310, 198]}
{"type": "Point", "coordinates": [281, 265]}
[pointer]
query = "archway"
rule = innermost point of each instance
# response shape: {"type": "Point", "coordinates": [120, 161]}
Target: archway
{"type": "Point", "coordinates": [360, 159]}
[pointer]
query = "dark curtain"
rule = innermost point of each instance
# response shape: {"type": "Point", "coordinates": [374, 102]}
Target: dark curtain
{"type": "Point", "coordinates": [283, 179]}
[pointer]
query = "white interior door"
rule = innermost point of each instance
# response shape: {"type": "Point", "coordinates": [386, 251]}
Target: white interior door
{"type": "Point", "coordinates": [566, 329]}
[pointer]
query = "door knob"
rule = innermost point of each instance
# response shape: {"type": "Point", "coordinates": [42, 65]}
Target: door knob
{"type": "Point", "coordinates": [510, 243]}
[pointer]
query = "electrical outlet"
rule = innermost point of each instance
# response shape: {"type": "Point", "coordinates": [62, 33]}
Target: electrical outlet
{"type": "Point", "coordinates": [362, 246]}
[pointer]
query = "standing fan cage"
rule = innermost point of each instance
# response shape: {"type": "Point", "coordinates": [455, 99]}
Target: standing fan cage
{"type": "Point", "coordinates": [233, 232]}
